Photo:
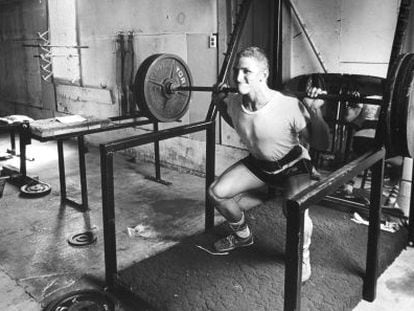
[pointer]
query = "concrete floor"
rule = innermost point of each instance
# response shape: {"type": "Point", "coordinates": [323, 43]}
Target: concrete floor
{"type": "Point", "coordinates": [37, 264]}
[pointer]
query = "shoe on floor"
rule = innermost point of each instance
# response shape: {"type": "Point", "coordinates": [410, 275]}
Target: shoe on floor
{"type": "Point", "coordinates": [306, 266]}
{"type": "Point", "coordinates": [231, 242]}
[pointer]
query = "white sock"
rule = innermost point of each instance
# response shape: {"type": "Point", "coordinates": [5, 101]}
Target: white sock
{"type": "Point", "coordinates": [244, 233]}
{"type": "Point", "coordinates": [241, 229]}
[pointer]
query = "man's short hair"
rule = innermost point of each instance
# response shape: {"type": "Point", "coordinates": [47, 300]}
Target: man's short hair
{"type": "Point", "coordinates": [256, 53]}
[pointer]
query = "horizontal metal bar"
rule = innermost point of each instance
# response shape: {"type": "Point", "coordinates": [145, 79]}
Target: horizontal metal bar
{"type": "Point", "coordinates": [319, 190]}
{"type": "Point", "coordinates": [336, 97]}
{"type": "Point", "coordinates": [342, 97]}
{"type": "Point", "coordinates": [143, 139]}
{"type": "Point", "coordinates": [201, 89]}
{"type": "Point", "coordinates": [56, 46]}
{"type": "Point", "coordinates": [73, 203]}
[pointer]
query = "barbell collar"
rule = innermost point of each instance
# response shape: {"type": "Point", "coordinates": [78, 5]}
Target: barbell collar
{"type": "Point", "coordinates": [174, 88]}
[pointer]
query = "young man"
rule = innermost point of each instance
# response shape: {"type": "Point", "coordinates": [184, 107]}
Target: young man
{"type": "Point", "coordinates": [271, 125]}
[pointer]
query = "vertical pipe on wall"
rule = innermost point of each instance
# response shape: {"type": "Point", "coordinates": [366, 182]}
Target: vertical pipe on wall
{"type": "Point", "coordinates": [78, 42]}
{"type": "Point", "coordinates": [277, 43]}
{"type": "Point", "coordinates": [307, 35]}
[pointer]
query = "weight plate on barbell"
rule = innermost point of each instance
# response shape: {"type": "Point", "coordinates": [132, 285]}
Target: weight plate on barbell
{"type": "Point", "coordinates": [154, 76]}
{"type": "Point", "coordinates": [82, 300]}
{"type": "Point", "coordinates": [400, 115]}
{"type": "Point", "coordinates": [35, 189]}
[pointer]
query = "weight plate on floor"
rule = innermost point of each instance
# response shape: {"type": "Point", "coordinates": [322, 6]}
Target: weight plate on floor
{"type": "Point", "coordinates": [82, 239]}
{"type": "Point", "coordinates": [153, 97]}
{"type": "Point", "coordinates": [82, 300]}
{"type": "Point", "coordinates": [35, 189]}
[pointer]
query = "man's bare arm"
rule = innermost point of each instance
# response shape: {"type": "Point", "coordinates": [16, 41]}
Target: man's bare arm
{"type": "Point", "coordinates": [220, 99]}
{"type": "Point", "coordinates": [318, 132]}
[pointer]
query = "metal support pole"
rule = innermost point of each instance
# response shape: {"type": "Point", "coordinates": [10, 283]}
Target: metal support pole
{"type": "Point", "coordinates": [278, 54]}
{"type": "Point", "coordinates": [82, 172]}
{"type": "Point", "coordinates": [231, 51]}
{"type": "Point", "coordinates": [293, 256]}
{"type": "Point", "coordinates": [24, 134]}
{"type": "Point", "coordinates": [370, 280]}
{"type": "Point", "coordinates": [108, 212]}
{"type": "Point", "coordinates": [62, 175]}
{"type": "Point", "coordinates": [157, 163]}
{"type": "Point", "coordinates": [12, 142]}
{"type": "Point", "coordinates": [210, 173]}
{"type": "Point", "coordinates": [157, 154]}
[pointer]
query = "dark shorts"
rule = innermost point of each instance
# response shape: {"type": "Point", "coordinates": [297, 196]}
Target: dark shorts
{"type": "Point", "coordinates": [301, 167]}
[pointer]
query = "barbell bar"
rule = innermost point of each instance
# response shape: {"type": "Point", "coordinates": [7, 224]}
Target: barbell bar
{"type": "Point", "coordinates": [163, 87]}
{"type": "Point", "coordinates": [341, 97]}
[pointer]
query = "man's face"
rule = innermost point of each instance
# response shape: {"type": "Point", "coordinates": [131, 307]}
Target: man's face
{"type": "Point", "coordinates": [248, 74]}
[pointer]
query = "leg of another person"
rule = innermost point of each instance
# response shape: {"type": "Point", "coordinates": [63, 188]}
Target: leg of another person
{"type": "Point", "coordinates": [295, 184]}
{"type": "Point", "coordinates": [235, 180]}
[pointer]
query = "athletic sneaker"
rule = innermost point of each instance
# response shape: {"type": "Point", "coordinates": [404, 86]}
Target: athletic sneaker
{"type": "Point", "coordinates": [231, 242]}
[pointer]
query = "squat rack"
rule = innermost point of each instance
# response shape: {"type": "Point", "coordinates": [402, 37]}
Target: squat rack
{"type": "Point", "coordinates": [296, 205]}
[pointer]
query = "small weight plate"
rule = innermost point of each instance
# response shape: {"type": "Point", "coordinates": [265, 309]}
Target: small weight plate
{"type": "Point", "coordinates": [82, 300]}
{"type": "Point", "coordinates": [82, 239]}
{"type": "Point", "coordinates": [35, 189]}
{"type": "Point", "coordinates": [151, 87]}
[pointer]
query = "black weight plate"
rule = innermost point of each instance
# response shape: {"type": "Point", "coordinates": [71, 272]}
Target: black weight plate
{"type": "Point", "coordinates": [150, 87]}
{"type": "Point", "coordinates": [410, 122]}
{"type": "Point", "coordinates": [404, 114]}
{"type": "Point", "coordinates": [333, 82]}
{"type": "Point", "coordinates": [35, 189]}
{"type": "Point", "coordinates": [82, 300]}
{"type": "Point", "coordinates": [386, 118]}
{"type": "Point", "coordinates": [400, 98]}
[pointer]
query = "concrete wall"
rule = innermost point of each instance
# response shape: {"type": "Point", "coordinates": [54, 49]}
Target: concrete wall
{"type": "Point", "coordinates": [351, 36]}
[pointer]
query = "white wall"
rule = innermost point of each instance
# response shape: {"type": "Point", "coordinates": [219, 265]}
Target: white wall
{"type": "Point", "coordinates": [352, 36]}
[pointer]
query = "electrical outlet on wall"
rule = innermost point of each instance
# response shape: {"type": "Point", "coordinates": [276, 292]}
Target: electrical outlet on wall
{"type": "Point", "coordinates": [212, 41]}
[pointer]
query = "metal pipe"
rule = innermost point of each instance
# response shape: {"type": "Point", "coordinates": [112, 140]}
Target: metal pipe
{"type": "Point", "coordinates": [371, 274]}
{"type": "Point", "coordinates": [278, 51]}
{"type": "Point", "coordinates": [210, 173]}
{"type": "Point", "coordinates": [62, 176]}
{"type": "Point", "coordinates": [230, 54]}
{"type": "Point", "coordinates": [294, 254]}
{"type": "Point", "coordinates": [201, 89]}
{"type": "Point", "coordinates": [157, 154]}
{"type": "Point", "coordinates": [143, 139]}
{"type": "Point", "coordinates": [305, 31]}
{"type": "Point", "coordinates": [319, 190]}
{"type": "Point", "coordinates": [108, 213]}
{"type": "Point", "coordinates": [340, 97]}
{"type": "Point", "coordinates": [82, 173]}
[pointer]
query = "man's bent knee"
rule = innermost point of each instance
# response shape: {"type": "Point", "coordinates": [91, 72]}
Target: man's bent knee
{"type": "Point", "coordinates": [215, 194]}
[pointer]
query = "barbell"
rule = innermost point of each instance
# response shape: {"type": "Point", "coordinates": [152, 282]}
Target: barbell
{"type": "Point", "coordinates": [163, 88]}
